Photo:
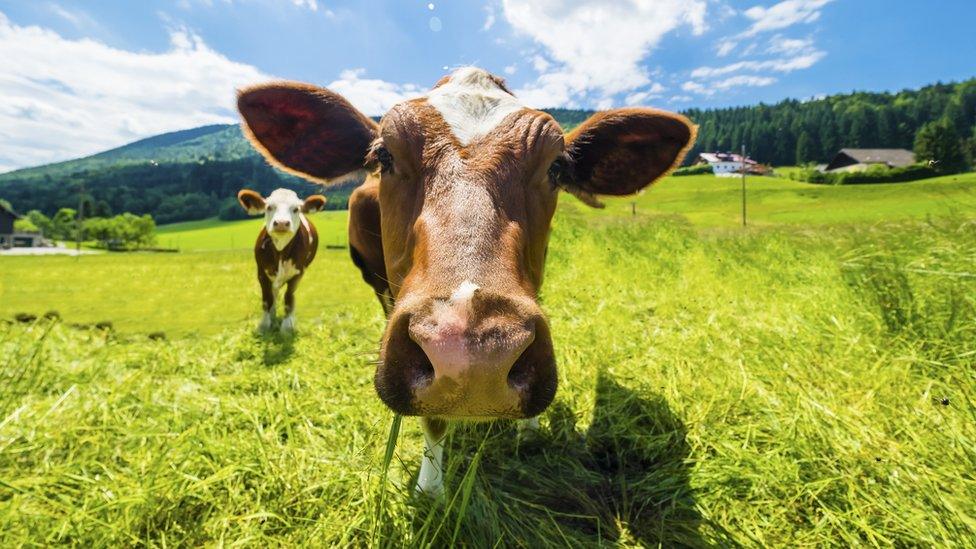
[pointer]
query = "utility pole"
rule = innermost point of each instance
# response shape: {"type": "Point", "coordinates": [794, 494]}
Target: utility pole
{"type": "Point", "coordinates": [80, 218]}
{"type": "Point", "coordinates": [743, 173]}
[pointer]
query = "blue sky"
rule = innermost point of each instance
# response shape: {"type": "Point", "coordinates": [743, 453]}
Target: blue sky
{"type": "Point", "coordinates": [78, 77]}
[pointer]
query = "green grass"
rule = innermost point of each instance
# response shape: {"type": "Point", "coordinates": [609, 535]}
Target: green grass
{"type": "Point", "coordinates": [780, 385]}
{"type": "Point", "coordinates": [716, 202]}
{"type": "Point", "coordinates": [213, 234]}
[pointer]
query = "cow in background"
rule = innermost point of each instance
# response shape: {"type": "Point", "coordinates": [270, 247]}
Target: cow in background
{"type": "Point", "coordinates": [285, 247]}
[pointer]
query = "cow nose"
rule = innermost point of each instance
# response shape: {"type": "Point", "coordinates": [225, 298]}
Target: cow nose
{"type": "Point", "coordinates": [281, 225]}
{"type": "Point", "coordinates": [472, 340]}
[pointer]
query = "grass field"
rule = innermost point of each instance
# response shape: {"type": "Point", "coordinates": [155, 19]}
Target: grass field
{"type": "Point", "coordinates": [790, 384]}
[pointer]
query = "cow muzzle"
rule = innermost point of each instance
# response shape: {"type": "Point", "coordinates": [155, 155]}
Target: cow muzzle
{"type": "Point", "coordinates": [475, 354]}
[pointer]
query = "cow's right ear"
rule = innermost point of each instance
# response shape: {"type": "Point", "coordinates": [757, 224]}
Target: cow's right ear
{"type": "Point", "coordinates": [251, 201]}
{"type": "Point", "coordinates": [306, 130]}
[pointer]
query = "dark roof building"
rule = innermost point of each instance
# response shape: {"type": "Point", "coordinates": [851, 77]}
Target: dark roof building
{"type": "Point", "coordinates": [852, 160]}
{"type": "Point", "coordinates": [7, 218]}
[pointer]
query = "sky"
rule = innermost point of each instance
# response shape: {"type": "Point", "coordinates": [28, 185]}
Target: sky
{"type": "Point", "coordinates": [79, 77]}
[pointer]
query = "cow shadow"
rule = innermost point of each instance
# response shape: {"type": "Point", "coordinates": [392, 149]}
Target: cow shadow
{"type": "Point", "coordinates": [624, 480]}
{"type": "Point", "coordinates": [276, 347]}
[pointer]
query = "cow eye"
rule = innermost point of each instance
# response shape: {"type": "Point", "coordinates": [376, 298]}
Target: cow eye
{"type": "Point", "coordinates": [294, 210]}
{"type": "Point", "coordinates": [385, 158]}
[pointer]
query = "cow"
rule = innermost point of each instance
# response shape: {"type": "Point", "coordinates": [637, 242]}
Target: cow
{"type": "Point", "coordinates": [285, 247]}
{"type": "Point", "coordinates": [451, 226]}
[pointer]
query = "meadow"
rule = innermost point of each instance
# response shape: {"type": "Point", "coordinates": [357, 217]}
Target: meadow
{"type": "Point", "coordinates": [805, 381]}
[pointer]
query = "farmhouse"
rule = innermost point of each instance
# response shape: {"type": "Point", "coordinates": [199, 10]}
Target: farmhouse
{"type": "Point", "coordinates": [855, 160]}
{"type": "Point", "coordinates": [9, 237]}
{"type": "Point", "coordinates": [729, 164]}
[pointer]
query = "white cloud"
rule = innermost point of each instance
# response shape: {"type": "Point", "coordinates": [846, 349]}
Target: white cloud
{"type": "Point", "coordinates": [789, 46]}
{"type": "Point", "coordinates": [782, 15]}
{"type": "Point", "coordinates": [725, 47]}
{"type": "Point", "coordinates": [777, 65]}
{"type": "Point", "coordinates": [511, 69]}
{"type": "Point", "coordinates": [596, 48]}
{"type": "Point", "coordinates": [489, 18]}
{"type": "Point", "coordinates": [642, 97]}
{"type": "Point", "coordinates": [312, 5]}
{"type": "Point", "coordinates": [711, 88]}
{"type": "Point", "coordinates": [67, 98]}
{"type": "Point", "coordinates": [373, 97]}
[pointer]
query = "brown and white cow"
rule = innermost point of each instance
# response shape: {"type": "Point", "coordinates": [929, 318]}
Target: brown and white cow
{"type": "Point", "coordinates": [285, 247]}
{"type": "Point", "coordinates": [451, 227]}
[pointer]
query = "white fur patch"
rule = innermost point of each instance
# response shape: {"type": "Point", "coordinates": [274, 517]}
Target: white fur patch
{"type": "Point", "coordinates": [286, 271]}
{"type": "Point", "coordinates": [472, 103]}
{"type": "Point", "coordinates": [465, 291]}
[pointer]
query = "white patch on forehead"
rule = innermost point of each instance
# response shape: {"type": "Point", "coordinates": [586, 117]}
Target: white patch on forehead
{"type": "Point", "coordinates": [282, 196]}
{"type": "Point", "coordinates": [472, 103]}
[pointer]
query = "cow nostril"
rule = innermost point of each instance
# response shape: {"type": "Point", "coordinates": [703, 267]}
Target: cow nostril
{"type": "Point", "coordinates": [520, 375]}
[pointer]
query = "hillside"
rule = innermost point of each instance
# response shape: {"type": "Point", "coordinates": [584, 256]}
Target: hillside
{"type": "Point", "coordinates": [193, 174]}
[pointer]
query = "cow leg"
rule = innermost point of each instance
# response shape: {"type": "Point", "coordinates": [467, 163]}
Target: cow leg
{"type": "Point", "coordinates": [288, 324]}
{"type": "Point", "coordinates": [267, 302]}
{"type": "Point", "coordinates": [431, 479]}
{"type": "Point", "coordinates": [528, 425]}
{"type": "Point", "coordinates": [366, 241]}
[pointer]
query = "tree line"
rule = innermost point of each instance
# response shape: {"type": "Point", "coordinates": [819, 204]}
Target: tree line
{"type": "Point", "coordinates": [796, 132]}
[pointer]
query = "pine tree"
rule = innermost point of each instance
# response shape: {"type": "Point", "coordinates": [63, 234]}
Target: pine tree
{"type": "Point", "coordinates": [939, 144]}
{"type": "Point", "coordinates": [806, 151]}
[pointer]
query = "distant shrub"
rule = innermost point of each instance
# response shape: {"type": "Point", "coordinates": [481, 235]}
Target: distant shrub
{"type": "Point", "coordinates": [52, 315]}
{"type": "Point", "coordinates": [122, 232]}
{"type": "Point", "coordinates": [874, 174]}
{"type": "Point", "coordinates": [697, 169]}
{"type": "Point", "coordinates": [104, 325]}
{"type": "Point", "coordinates": [231, 210]}
{"type": "Point", "coordinates": [157, 336]}
{"type": "Point", "coordinates": [25, 317]}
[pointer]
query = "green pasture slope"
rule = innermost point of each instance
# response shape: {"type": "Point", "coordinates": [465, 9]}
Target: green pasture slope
{"type": "Point", "coordinates": [807, 381]}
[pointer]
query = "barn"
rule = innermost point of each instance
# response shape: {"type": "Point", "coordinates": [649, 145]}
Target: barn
{"type": "Point", "coordinates": [7, 218]}
{"type": "Point", "coordinates": [855, 160]}
{"type": "Point", "coordinates": [10, 237]}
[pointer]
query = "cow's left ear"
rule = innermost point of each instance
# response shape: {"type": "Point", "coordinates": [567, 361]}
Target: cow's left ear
{"type": "Point", "coordinates": [621, 151]}
{"type": "Point", "coordinates": [313, 204]}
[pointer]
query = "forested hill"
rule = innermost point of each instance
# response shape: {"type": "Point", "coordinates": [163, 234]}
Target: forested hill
{"type": "Point", "coordinates": [797, 132]}
{"type": "Point", "coordinates": [193, 174]}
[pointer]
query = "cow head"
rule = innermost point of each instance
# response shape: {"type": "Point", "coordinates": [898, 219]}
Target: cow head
{"type": "Point", "coordinates": [283, 212]}
{"type": "Point", "coordinates": [468, 180]}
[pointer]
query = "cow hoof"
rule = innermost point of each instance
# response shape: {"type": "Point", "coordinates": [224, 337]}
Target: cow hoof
{"type": "Point", "coordinates": [265, 325]}
{"type": "Point", "coordinates": [433, 490]}
{"type": "Point", "coordinates": [288, 325]}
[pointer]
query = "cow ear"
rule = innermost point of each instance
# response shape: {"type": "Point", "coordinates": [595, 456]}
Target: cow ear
{"type": "Point", "coordinates": [251, 201]}
{"type": "Point", "coordinates": [308, 131]}
{"type": "Point", "coordinates": [313, 203]}
{"type": "Point", "coordinates": [621, 151]}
